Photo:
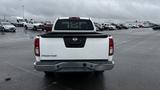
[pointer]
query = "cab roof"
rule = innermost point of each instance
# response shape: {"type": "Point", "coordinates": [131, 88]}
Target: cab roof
{"type": "Point", "coordinates": [74, 18]}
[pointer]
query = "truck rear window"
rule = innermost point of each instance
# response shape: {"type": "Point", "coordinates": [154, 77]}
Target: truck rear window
{"type": "Point", "coordinates": [67, 24]}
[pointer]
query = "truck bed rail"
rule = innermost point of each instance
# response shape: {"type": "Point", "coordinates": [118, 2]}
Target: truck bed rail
{"type": "Point", "coordinates": [74, 34]}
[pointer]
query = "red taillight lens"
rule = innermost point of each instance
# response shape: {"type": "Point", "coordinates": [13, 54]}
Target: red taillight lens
{"type": "Point", "coordinates": [37, 47]}
{"type": "Point", "coordinates": [111, 47]}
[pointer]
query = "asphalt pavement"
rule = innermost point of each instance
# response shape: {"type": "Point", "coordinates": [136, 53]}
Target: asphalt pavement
{"type": "Point", "coordinates": [137, 64]}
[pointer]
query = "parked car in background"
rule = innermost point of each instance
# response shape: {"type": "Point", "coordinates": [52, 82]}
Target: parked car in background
{"type": "Point", "coordinates": [131, 25]}
{"type": "Point", "coordinates": [108, 27]}
{"type": "Point", "coordinates": [16, 21]}
{"type": "Point", "coordinates": [149, 24]}
{"type": "Point", "coordinates": [118, 27]}
{"type": "Point", "coordinates": [48, 26]}
{"type": "Point", "coordinates": [7, 27]}
{"type": "Point", "coordinates": [33, 25]}
{"type": "Point", "coordinates": [98, 26]}
{"type": "Point", "coordinates": [123, 26]}
{"type": "Point", "coordinates": [141, 25]}
{"type": "Point", "coordinates": [156, 27]}
{"type": "Point", "coordinates": [135, 26]}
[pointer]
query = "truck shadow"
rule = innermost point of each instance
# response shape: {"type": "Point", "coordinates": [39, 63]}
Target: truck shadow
{"type": "Point", "coordinates": [74, 81]}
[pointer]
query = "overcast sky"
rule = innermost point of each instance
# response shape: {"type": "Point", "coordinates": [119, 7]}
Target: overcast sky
{"type": "Point", "coordinates": [110, 9]}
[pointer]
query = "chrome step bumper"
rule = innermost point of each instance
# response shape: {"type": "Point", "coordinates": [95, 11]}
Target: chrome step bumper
{"type": "Point", "coordinates": [80, 66]}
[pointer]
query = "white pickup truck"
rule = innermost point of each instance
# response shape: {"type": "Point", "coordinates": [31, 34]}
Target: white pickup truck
{"type": "Point", "coordinates": [73, 46]}
{"type": "Point", "coordinates": [33, 25]}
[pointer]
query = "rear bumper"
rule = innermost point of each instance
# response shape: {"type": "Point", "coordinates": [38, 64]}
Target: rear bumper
{"type": "Point", "coordinates": [10, 30]}
{"type": "Point", "coordinates": [40, 27]}
{"type": "Point", "coordinates": [72, 66]}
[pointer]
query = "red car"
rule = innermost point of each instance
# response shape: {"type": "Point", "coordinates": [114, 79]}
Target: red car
{"type": "Point", "coordinates": [48, 26]}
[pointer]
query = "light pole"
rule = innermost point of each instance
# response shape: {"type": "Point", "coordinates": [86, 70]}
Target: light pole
{"type": "Point", "coordinates": [4, 17]}
{"type": "Point", "coordinates": [23, 10]}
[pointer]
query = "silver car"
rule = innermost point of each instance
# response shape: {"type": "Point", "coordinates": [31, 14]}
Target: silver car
{"type": "Point", "coordinates": [8, 27]}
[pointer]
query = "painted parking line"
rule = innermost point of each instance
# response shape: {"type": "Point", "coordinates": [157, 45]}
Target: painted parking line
{"type": "Point", "coordinates": [23, 69]}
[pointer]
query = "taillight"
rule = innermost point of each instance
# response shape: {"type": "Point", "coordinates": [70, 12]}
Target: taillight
{"type": "Point", "coordinates": [37, 47]}
{"type": "Point", "coordinates": [111, 47]}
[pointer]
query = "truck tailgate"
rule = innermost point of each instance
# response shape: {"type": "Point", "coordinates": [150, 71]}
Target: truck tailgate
{"type": "Point", "coordinates": [74, 46]}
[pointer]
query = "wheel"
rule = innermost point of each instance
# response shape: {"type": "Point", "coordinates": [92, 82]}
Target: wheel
{"type": "Point", "coordinates": [42, 29]}
{"type": "Point", "coordinates": [3, 30]}
{"type": "Point", "coordinates": [26, 27]}
{"type": "Point", "coordinates": [98, 73]}
{"type": "Point", "coordinates": [49, 74]}
{"type": "Point", "coordinates": [35, 28]}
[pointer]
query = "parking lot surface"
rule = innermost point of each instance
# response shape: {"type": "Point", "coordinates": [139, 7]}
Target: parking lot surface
{"type": "Point", "coordinates": [137, 64]}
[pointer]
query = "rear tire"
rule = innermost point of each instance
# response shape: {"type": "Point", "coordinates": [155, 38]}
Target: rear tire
{"type": "Point", "coordinates": [42, 29]}
{"type": "Point", "coordinates": [49, 74]}
{"type": "Point", "coordinates": [35, 28]}
{"type": "Point", "coordinates": [25, 27]}
{"type": "Point", "coordinates": [3, 30]}
{"type": "Point", "coordinates": [98, 73]}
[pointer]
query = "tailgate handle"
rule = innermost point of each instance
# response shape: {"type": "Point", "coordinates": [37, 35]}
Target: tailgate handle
{"type": "Point", "coordinates": [74, 42]}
